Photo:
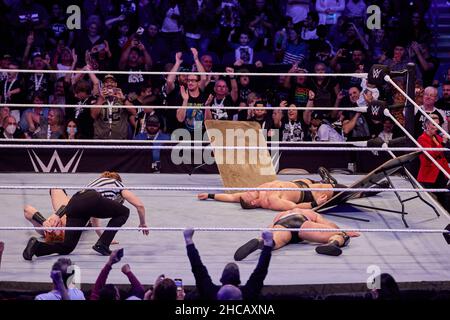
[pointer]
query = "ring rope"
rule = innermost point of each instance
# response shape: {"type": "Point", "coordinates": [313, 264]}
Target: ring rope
{"type": "Point", "coordinates": [416, 106]}
{"type": "Point", "coordinates": [111, 141]}
{"type": "Point", "coordinates": [224, 229]}
{"type": "Point", "coordinates": [152, 147]}
{"type": "Point", "coordinates": [161, 188]}
{"type": "Point", "coordinates": [92, 106]}
{"type": "Point", "coordinates": [429, 156]}
{"type": "Point", "coordinates": [159, 73]}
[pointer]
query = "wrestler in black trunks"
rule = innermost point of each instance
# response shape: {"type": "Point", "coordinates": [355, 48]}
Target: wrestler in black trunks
{"type": "Point", "coordinates": [293, 221]}
{"type": "Point", "coordinates": [306, 195]}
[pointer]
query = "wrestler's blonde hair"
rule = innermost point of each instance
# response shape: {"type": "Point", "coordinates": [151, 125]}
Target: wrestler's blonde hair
{"type": "Point", "coordinates": [111, 175]}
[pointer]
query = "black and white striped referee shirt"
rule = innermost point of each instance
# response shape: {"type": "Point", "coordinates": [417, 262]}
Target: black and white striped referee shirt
{"type": "Point", "coordinates": [104, 184]}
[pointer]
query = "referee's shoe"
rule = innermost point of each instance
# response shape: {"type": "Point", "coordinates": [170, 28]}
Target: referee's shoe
{"type": "Point", "coordinates": [102, 249]}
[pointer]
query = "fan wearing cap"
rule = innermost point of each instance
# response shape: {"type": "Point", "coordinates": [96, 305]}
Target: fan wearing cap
{"type": "Point", "coordinates": [41, 82]}
{"type": "Point", "coordinates": [153, 132]}
{"type": "Point", "coordinates": [111, 122]}
{"type": "Point", "coordinates": [260, 114]}
{"type": "Point", "coordinates": [321, 129]}
{"type": "Point", "coordinates": [231, 288]}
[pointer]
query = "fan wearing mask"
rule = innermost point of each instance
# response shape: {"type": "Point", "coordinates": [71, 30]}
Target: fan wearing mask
{"type": "Point", "coordinates": [10, 129]}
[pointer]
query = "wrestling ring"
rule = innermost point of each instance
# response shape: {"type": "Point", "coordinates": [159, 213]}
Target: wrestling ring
{"type": "Point", "coordinates": [415, 254]}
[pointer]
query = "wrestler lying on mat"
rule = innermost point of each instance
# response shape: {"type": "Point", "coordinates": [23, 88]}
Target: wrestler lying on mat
{"type": "Point", "coordinates": [331, 242]}
{"type": "Point", "coordinates": [286, 200]}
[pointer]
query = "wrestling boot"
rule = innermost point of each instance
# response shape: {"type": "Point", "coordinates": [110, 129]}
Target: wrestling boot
{"type": "Point", "coordinates": [102, 249]}
{"type": "Point", "coordinates": [248, 248]}
{"type": "Point", "coordinates": [333, 248]}
{"type": "Point", "coordinates": [28, 253]}
{"type": "Point", "coordinates": [326, 176]}
{"type": "Point", "coordinates": [382, 185]}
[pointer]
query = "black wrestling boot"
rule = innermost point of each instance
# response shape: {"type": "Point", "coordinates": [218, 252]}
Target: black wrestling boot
{"type": "Point", "coordinates": [326, 176]}
{"type": "Point", "coordinates": [248, 248]}
{"type": "Point", "coordinates": [102, 249]}
{"type": "Point", "coordinates": [332, 248]}
{"type": "Point", "coordinates": [28, 253]}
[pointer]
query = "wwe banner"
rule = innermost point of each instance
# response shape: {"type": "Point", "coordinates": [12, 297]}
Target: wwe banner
{"type": "Point", "coordinates": [140, 161]}
{"type": "Point", "coordinates": [74, 160]}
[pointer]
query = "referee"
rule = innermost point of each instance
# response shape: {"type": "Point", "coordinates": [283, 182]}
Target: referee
{"type": "Point", "coordinates": [84, 205]}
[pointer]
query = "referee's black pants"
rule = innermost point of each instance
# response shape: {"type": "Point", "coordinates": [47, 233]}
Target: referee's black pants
{"type": "Point", "coordinates": [81, 207]}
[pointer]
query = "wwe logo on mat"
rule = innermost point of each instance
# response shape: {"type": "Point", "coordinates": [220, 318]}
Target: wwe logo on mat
{"type": "Point", "coordinates": [39, 165]}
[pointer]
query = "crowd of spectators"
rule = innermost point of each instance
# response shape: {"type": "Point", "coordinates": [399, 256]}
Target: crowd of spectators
{"type": "Point", "coordinates": [210, 35]}
{"type": "Point", "coordinates": [65, 286]}
{"type": "Point", "coordinates": [165, 288]}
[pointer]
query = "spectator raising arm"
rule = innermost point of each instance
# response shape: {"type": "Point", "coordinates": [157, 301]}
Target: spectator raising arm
{"type": "Point", "coordinates": [288, 81]}
{"type": "Point", "coordinates": [360, 37]}
{"type": "Point", "coordinates": [310, 105]}
{"type": "Point", "coordinates": [110, 22]}
{"type": "Point", "coordinates": [278, 114]}
{"type": "Point", "coordinates": [59, 285]}
{"type": "Point", "coordinates": [234, 85]}
{"type": "Point", "coordinates": [200, 68]}
{"type": "Point", "coordinates": [115, 257]}
{"type": "Point", "coordinates": [137, 289]}
{"type": "Point", "coordinates": [203, 281]}
{"type": "Point", "coordinates": [349, 125]}
{"type": "Point", "coordinates": [26, 52]}
{"type": "Point", "coordinates": [426, 66]}
{"type": "Point", "coordinates": [255, 283]}
{"type": "Point", "coordinates": [147, 58]}
{"type": "Point", "coordinates": [170, 82]}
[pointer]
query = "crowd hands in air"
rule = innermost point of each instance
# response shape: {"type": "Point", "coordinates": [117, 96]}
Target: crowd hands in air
{"type": "Point", "coordinates": [225, 36]}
